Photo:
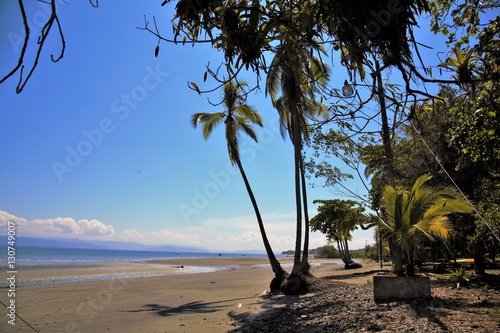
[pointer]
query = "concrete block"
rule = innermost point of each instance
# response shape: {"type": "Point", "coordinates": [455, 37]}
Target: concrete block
{"type": "Point", "coordinates": [396, 288]}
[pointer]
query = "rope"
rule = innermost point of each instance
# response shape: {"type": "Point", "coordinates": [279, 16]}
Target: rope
{"type": "Point", "coordinates": [18, 316]}
{"type": "Point", "coordinates": [454, 183]}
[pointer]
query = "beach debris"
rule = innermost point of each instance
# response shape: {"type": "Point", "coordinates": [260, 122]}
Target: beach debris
{"type": "Point", "coordinates": [239, 305]}
{"type": "Point", "coordinates": [266, 293]}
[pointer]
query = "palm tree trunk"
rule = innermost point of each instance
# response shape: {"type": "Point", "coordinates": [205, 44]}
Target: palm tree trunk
{"type": "Point", "coordinates": [298, 205]}
{"type": "Point", "coordinates": [410, 267]}
{"type": "Point", "coordinates": [295, 283]}
{"type": "Point", "coordinates": [275, 264]}
{"type": "Point", "coordinates": [305, 251]}
{"type": "Point", "coordinates": [291, 85]}
{"type": "Point", "coordinates": [397, 257]}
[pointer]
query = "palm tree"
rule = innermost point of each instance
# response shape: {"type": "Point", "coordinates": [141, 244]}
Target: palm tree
{"type": "Point", "coordinates": [421, 213]}
{"type": "Point", "coordinates": [296, 73]}
{"type": "Point", "coordinates": [240, 116]}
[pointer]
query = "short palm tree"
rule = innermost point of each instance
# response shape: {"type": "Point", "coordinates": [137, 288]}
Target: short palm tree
{"type": "Point", "coordinates": [421, 212]}
{"type": "Point", "coordinates": [239, 116]}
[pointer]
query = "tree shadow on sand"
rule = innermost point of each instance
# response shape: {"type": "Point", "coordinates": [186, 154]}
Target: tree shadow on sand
{"type": "Point", "coordinates": [191, 307]}
{"type": "Point", "coordinates": [270, 306]}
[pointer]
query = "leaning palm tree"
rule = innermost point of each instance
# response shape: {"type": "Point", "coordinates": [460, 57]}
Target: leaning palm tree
{"type": "Point", "coordinates": [420, 213]}
{"type": "Point", "coordinates": [240, 116]}
{"type": "Point", "coordinates": [296, 73]}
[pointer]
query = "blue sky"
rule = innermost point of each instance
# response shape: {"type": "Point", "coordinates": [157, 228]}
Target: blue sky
{"type": "Point", "coordinates": [99, 145]}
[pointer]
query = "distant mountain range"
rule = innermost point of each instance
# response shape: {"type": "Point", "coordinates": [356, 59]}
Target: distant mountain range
{"type": "Point", "coordinates": [75, 243]}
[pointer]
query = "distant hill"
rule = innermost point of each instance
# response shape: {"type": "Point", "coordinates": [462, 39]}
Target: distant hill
{"type": "Point", "coordinates": [250, 252]}
{"type": "Point", "coordinates": [75, 243]}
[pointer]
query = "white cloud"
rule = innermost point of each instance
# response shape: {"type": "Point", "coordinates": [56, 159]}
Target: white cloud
{"type": "Point", "coordinates": [6, 217]}
{"type": "Point", "coordinates": [131, 234]}
{"type": "Point", "coordinates": [228, 234]}
{"type": "Point", "coordinates": [94, 227]}
{"type": "Point", "coordinates": [64, 227]}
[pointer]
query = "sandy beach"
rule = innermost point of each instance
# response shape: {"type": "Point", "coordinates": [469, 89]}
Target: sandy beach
{"type": "Point", "coordinates": [160, 296]}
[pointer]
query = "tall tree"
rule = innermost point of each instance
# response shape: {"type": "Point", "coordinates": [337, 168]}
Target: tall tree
{"type": "Point", "coordinates": [239, 116]}
{"type": "Point", "coordinates": [296, 74]}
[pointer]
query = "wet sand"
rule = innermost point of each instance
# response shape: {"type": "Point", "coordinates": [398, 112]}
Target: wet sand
{"type": "Point", "coordinates": [160, 296]}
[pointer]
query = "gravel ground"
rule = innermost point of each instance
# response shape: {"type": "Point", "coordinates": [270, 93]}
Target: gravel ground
{"type": "Point", "coordinates": [341, 307]}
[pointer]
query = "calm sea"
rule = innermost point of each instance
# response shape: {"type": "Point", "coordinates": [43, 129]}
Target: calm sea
{"type": "Point", "coordinates": [68, 256]}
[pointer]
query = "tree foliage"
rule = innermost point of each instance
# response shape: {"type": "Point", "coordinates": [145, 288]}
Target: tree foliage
{"type": "Point", "coordinates": [337, 219]}
{"type": "Point", "coordinates": [408, 216]}
{"type": "Point", "coordinates": [246, 30]}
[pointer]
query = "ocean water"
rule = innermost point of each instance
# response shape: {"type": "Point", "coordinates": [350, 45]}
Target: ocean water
{"type": "Point", "coordinates": [28, 256]}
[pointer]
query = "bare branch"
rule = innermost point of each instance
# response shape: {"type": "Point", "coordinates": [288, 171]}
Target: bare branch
{"type": "Point", "coordinates": [30, 66]}
{"type": "Point", "coordinates": [25, 43]}
{"type": "Point", "coordinates": [41, 42]}
{"type": "Point", "coordinates": [63, 42]}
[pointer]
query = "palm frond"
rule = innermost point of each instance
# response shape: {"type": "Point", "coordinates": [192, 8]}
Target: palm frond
{"type": "Point", "coordinates": [274, 77]}
{"type": "Point", "coordinates": [443, 207]}
{"type": "Point", "coordinates": [249, 113]}
{"type": "Point", "coordinates": [422, 212]}
{"type": "Point", "coordinates": [209, 121]}
{"type": "Point", "coordinates": [439, 227]}
{"type": "Point", "coordinates": [246, 128]}
{"type": "Point", "coordinates": [232, 140]}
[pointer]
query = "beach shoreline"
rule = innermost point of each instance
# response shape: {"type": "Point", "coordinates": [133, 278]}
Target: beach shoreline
{"type": "Point", "coordinates": [232, 297]}
{"type": "Point", "coordinates": [160, 297]}
{"type": "Point", "coordinates": [33, 275]}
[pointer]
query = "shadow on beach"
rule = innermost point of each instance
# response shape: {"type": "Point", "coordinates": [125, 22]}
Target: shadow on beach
{"type": "Point", "coordinates": [198, 307]}
{"type": "Point", "coordinates": [244, 321]}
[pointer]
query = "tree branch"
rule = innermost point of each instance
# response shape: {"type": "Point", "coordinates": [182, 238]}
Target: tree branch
{"type": "Point", "coordinates": [25, 43]}
{"type": "Point", "coordinates": [44, 33]}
